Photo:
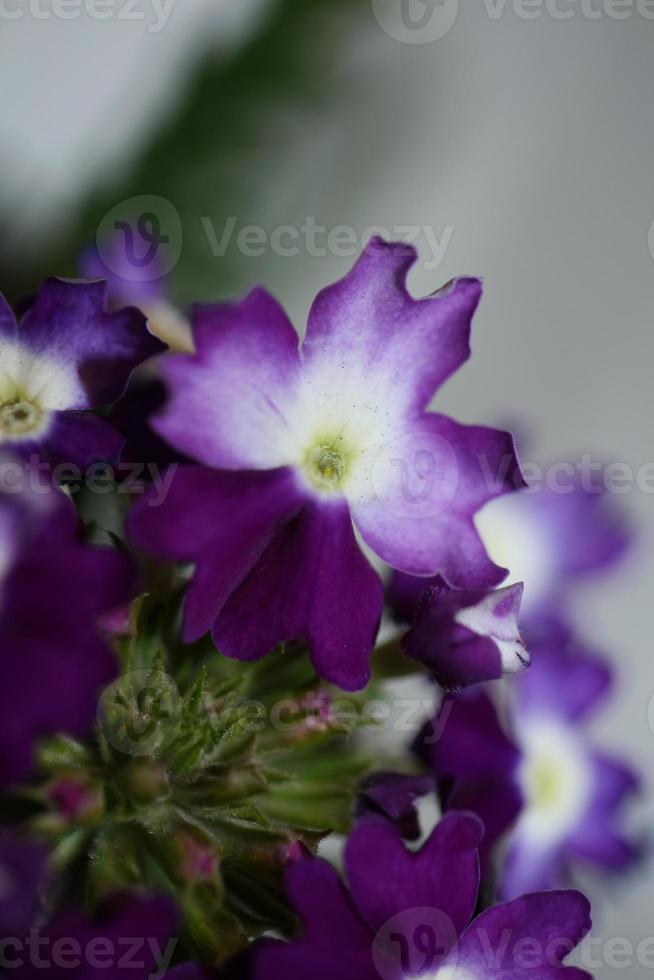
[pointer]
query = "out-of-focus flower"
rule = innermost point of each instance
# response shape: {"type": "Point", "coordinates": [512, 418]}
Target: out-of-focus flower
{"type": "Point", "coordinates": [552, 541]}
{"type": "Point", "coordinates": [561, 798]}
{"type": "Point", "coordinates": [141, 285]}
{"type": "Point", "coordinates": [409, 914]}
{"type": "Point", "coordinates": [53, 590]}
{"type": "Point", "coordinates": [66, 356]}
{"type": "Point", "coordinates": [129, 934]}
{"type": "Point", "coordinates": [22, 867]}
{"type": "Point", "coordinates": [549, 541]}
{"type": "Point", "coordinates": [465, 636]}
{"type": "Point", "coordinates": [301, 443]}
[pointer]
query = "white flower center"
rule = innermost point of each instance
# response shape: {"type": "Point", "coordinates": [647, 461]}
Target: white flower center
{"type": "Point", "coordinates": [556, 780]}
{"type": "Point", "coordinates": [32, 387]}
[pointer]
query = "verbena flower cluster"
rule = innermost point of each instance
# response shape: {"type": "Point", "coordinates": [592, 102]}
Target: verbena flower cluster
{"type": "Point", "coordinates": [175, 761]}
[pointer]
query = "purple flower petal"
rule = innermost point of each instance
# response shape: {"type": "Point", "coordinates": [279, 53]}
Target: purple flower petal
{"type": "Point", "coordinates": [429, 484]}
{"type": "Point", "coordinates": [78, 439]}
{"type": "Point", "coordinates": [465, 637]}
{"type": "Point", "coordinates": [569, 683]}
{"type": "Point", "coordinates": [335, 943]}
{"type": "Point", "coordinates": [393, 795]}
{"type": "Point", "coordinates": [368, 319]}
{"type": "Point", "coordinates": [229, 403]}
{"type": "Point", "coordinates": [54, 664]}
{"type": "Point", "coordinates": [22, 868]}
{"type": "Point", "coordinates": [599, 840]}
{"type": "Point", "coordinates": [443, 874]}
{"type": "Point", "coordinates": [220, 521]}
{"type": "Point", "coordinates": [329, 595]}
{"type": "Point", "coordinates": [466, 740]}
{"type": "Point", "coordinates": [531, 936]}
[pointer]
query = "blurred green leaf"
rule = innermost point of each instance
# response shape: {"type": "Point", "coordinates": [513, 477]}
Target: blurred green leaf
{"type": "Point", "coordinates": [212, 156]}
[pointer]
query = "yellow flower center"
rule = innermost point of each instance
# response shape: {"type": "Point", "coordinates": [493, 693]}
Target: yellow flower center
{"type": "Point", "coordinates": [19, 418]}
{"type": "Point", "coordinates": [545, 784]}
{"type": "Point", "coordinates": [327, 464]}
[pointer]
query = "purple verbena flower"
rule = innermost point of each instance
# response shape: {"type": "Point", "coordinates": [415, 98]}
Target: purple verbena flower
{"type": "Point", "coordinates": [66, 356]}
{"type": "Point", "coordinates": [560, 798]}
{"type": "Point", "coordinates": [409, 914]}
{"type": "Point", "coordinates": [467, 636]}
{"type": "Point", "coordinates": [298, 444]}
{"type": "Point", "coordinates": [53, 591]}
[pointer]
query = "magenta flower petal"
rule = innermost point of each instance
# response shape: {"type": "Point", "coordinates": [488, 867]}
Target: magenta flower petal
{"type": "Point", "coordinates": [330, 595]}
{"type": "Point", "coordinates": [230, 402]}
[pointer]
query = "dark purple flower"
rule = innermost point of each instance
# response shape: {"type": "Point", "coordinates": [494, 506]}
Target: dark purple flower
{"type": "Point", "coordinates": [131, 935]}
{"type": "Point", "coordinates": [301, 443]}
{"type": "Point", "coordinates": [22, 867]}
{"type": "Point", "coordinates": [409, 914]}
{"type": "Point", "coordinates": [559, 797]}
{"type": "Point", "coordinates": [66, 356]}
{"type": "Point", "coordinates": [53, 590]}
{"type": "Point", "coordinates": [393, 795]}
{"type": "Point", "coordinates": [467, 636]}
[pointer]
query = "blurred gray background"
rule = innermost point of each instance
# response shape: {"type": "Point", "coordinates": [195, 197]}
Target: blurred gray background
{"type": "Point", "coordinates": [526, 145]}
